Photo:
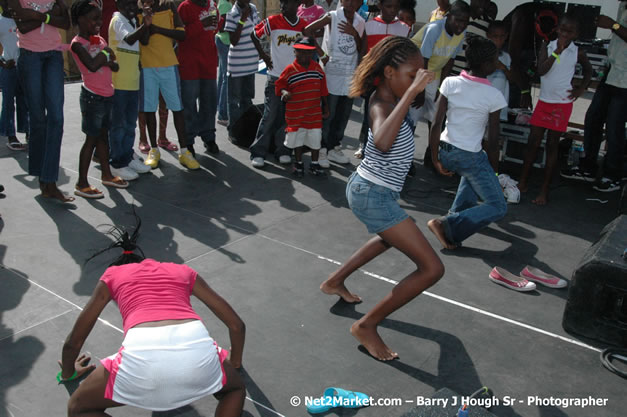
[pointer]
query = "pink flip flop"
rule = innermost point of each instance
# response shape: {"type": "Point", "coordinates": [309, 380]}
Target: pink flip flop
{"type": "Point", "coordinates": [541, 277]}
{"type": "Point", "coordinates": [509, 280]}
{"type": "Point", "coordinates": [144, 147]}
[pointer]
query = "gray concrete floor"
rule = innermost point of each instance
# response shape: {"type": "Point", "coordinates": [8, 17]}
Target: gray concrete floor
{"type": "Point", "coordinates": [265, 241]}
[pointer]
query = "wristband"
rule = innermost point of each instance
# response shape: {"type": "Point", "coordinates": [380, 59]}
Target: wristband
{"type": "Point", "coordinates": [60, 379]}
{"type": "Point", "coordinates": [241, 23]}
{"type": "Point", "coordinates": [525, 91]}
{"type": "Point", "coordinates": [105, 53]}
{"type": "Point", "coordinates": [556, 56]}
{"type": "Point", "coordinates": [47, 18]}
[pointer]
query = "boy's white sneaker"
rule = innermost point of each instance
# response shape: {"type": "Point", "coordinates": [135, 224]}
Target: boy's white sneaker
{"type": "Point", "coordinates": [336, 155]}
{"type": "Point", "coordinates": [258, 162]}
{"type": "Point", "coordinates": [285, 159]}
{"type": "Point", "coordinates": [138, 166]}
{"type": "Point", "coordinates": [322, 158]}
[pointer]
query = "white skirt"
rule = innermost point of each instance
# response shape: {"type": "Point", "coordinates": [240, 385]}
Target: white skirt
{"type": "Point", "coordinates": [167, 367]}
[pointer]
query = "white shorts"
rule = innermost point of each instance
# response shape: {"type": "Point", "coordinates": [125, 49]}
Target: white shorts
{"type": "Point", "coordinates": [427, 111]}
{"type": "Point", "coordinates": [167, 367]}
{"type": "Point", "coordinates": [303, 137]}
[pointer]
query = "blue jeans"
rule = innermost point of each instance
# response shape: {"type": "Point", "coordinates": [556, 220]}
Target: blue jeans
{"type": "Point", "coordinates": [272, 125]}
{"type": "Point", "coordinates": [333, 127]}
{"type": "Point", "coordinates": [223, 85]}
{"type": "Point", "coordinates": [479, 181]}
{"type": "Point", "coordinates": [122, 131]}
{"type": "Point", "coordinates": [199, 108]}
{"type": "Point", "coordinates": [12, 98]}
{"type": "Point", "coordinates": [241, 94]}
{"type": "Point", "coordinates": [607, 107]}
{"type": "Point", "coordinates": [42, 79]}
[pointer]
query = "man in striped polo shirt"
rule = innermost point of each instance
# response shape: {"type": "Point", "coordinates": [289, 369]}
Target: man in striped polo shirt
{"type": "Point", "coordinates": [243, 59]}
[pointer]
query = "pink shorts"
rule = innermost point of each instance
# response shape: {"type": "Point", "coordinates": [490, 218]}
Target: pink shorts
{"type": "Point", "coordinates": [553, 116]}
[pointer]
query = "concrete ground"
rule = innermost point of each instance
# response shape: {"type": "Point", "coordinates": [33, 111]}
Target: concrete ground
{"type": "Point", "coordinates": [265, 241]}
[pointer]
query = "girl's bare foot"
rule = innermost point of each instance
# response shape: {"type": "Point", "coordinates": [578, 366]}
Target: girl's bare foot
{"type": "Point", "coordinates": [371, 340]}
{"type": "Point", "coordinates": [540, 200]}
{"type": "Point", "coordinates": [340, 290]}
{"type": "Point", "coordinates": [437, 228]}
{"type": "Point", "coordinates": [50, 190]}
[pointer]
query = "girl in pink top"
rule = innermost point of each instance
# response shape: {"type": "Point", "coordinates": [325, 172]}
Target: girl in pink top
{"type": "Point", "coordinates": [95, 60]}
{"type": "Point", "coordinates": [167, 359]}
{"type": "Point", "coordinates": [40, 67]}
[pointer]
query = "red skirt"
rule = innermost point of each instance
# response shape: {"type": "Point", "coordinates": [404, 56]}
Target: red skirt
{"type": "Point", "coordinates": [552, 116]}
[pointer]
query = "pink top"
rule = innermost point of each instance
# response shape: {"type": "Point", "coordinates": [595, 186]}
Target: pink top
{"type": "Point", "coordinates": [310, 14]}
{"type": "Point", "coordinates": [99, 82]}
{"type": "Point", "coordinates": [151, 291]}
{"type": "Point", "coordinates": [45, 38]}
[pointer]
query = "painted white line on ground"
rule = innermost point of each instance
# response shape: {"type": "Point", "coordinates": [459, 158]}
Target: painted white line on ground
{"type": "Point", "coordinates": [448, 300]}
{"type": "Point", "coordinates": [99, 319]}
{"type": "Point", "coordinates": [35, 325]}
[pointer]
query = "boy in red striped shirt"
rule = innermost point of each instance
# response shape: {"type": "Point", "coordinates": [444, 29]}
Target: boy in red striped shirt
{"type": "Point", "coordinates": [303, 86]}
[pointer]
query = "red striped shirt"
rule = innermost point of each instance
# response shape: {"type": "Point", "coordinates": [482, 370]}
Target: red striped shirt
{"type": "Point", "coordinates": [377, 29]}
{"type": "Point", "coordinates": [307, 86]}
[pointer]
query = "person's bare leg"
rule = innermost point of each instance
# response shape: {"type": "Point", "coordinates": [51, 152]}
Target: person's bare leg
{"type": "Point", "coordinates": [151, 125]}
{"type": "Point", "coordinates": [102, 150]}
{"type": "Point", "coordinates": [552, 149]}
{"type": "Point", "coordinates": [141, 125]}
{"type": "Point", "coordinates": [334, 285]}
{"type": "Point", "coordinates": [315, 153]}
{"type": "Point", "coordinates": [407, 238]}
{"type": "Point", "coordinates": [163, 119]}
{"type": "Point", "coordinates": [88, 400]}
{"type": "Point", "coordinates": [298, 154]}
{"type": "Point", "coordinates": [533, 143]}
{"type": "Point", "coordinates": [179, 125]}
{"type": "Point", "coordinates": [84, 160]}
{"type": "Point", "coordinates": [231, 397]}
{"type": "Point", "coordinates": [50, 190]}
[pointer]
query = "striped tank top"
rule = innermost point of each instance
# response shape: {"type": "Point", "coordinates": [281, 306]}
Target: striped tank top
{"type": "Point", "coordinates": [390, 168]}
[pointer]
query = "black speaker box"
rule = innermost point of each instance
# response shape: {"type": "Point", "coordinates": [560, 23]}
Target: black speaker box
{"type": "Point", "coordinates": [597, 298]}
{"type": "Point", "coordinates": [244, 130]}
{"type": "Point", "coordinates": [438, 409]}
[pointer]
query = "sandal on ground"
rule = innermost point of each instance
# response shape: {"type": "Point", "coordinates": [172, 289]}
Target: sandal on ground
{"type": "Point", "coordinates": [116, 182]}
{"type": "Point", "coordinates": [167, 145]}
{"type": "Point", "coordinates": [144, 147]}
{"type": "Point", "coordinates": [88, 192]}
{"type": "Point", "coordinates": [15, 145]}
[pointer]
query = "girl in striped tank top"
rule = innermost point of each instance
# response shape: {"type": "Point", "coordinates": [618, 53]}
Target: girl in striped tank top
{"type": "Point", "coordinates": [393, 69]}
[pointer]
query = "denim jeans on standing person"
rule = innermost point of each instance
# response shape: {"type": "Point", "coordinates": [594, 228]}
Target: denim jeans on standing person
{"type": "Point", "coordinates": [12, 99]}
{"type": "Point", "coordinates": [42, 79]}
{"type": "Point", "coordinates": [272, 125]}
{"type": "Point", "coordinates": [609, 107]}
{"type": "Point", "coordinates": [199, 108]}
{"type": "Point", "coordinates": [122, 130]}
{"type": "Point", "coordinates": [479, 182]}
{"type": "Point", "coordinates": [241, 94]}
{"type": "Point", "coordinates": [223, 85]}
{"type": "Point", "coordinates": [340, 108]}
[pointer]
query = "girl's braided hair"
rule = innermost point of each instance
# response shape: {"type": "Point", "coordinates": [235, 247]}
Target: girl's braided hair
{"type": "Point", "coordinates": [479, 50]}
{"type": "Point", "coordinates": [82, 7]}
{"type": "Point", "coordinates": [392, 51]}
{"type": "Point", "coordinates": [128, 244]}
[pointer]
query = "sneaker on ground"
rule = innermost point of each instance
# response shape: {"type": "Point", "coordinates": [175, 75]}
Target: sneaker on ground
{"type": "Point", "coordinates": [336, 155]}
{"type": "Point", "coordinates": [126, 173]}
{"type": "Point", "coordinates": [574, 173]}
{"type": "Point", "coordinates": [541, 277]}
{"type": "Point", "coordinates": [212, 147]}
{"type": "Point", "coordinates": [138, 166]}
{"type": "Point", "coordinates": [153, 158]}
{"type": "Point", "coordinates": [188, 160]}
{"type": "Point", "coordinates": [316, 169]}
{"type": "Point", "coordinates": [137, 157]}
{"type": "Point", "coordinates": [258, 162]}
{"type": "Point", "coordinates": [285, 159]}
{"type": "Point", "coordinates": [607, 185]}
{"type": "Point", "coordinates": [299, 170]}
{"type": "Point", "coordinates": [322, 158]}
{"type": "Point", "coordinates": [509, 280]}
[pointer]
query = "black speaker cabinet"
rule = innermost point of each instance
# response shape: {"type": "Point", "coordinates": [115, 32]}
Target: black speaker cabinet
{"type": "Point", "coordinates": [597, 297]}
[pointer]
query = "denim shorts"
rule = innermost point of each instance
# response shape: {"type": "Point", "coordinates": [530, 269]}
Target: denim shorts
{"type": "Point", "coordinates": [375, 205]}
{"type": "Point", "coordinates": [96, 111]}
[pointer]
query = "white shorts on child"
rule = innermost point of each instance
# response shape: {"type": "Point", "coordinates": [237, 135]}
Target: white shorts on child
{"type": "Point", "coordinates": [427, 111]}
{"type": "Point", "coordinates": [304, 137]}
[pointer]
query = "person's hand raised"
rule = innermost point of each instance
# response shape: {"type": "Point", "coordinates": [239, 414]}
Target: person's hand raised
{"type": "Point", "coordinates": [423, 77]}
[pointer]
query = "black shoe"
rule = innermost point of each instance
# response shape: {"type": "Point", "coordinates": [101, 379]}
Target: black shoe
{"type": "Point", "coordinates": [299, 170]}
{"type": "Point", "coordinates": [212, 147]}
{"type": "Point", "coordinates": [315, 169]}
{"type": "Point", "coordinates": [574, 173]}
{"type": "Point", "coordinates": [607, 185]}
